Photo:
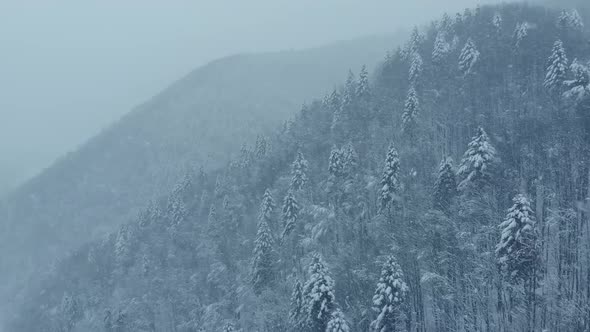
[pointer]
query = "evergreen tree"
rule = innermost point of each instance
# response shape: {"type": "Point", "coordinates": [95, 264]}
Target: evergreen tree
{"type": "Point", "coordinates": [557, 69]}
{"type": "Point", "coordinates": [267, 207]}
{"type": "Point", "coordinates": [445, 187]}
{"type": "Point", "coordinates": [70, 312]}
{"type": "Point", "coordinates": [415, 72]}
{"type": "Point", "coordinates": [410, 114]}
{"type": "Point", "coordinates": [477, 160]}
{"type": "Point", "coordinates": [389, 298]}
{"type": "Point", "coordinates": [338, 322]}
{"type": "Point", "coordinates": [413, 45]}
{"type": "Point", "coordinates": [575, 22]}
{"type": "Point", "coordinates": [261, 147]}
{"type": "Point", "coordinates": [579, 86]}
{"type": "Point", "coordinates": [318, 294]}
{"type": "Point", "coordinates": [263, 264]}
{"type": "Point", "coordinates": [441, 47]}
{"type": "Point", "coordinates": [497, 22]}
{"type": "Point", "coordinates": [336, 162]}
{"type": "Point", "coordinates": [520, 33]}
{"type": "Point", "coordinates": [516, 251]}
{"type": "Point", "coordinates": [175, 209]}
{"type": "Point", "coordinates": [390, 184]}
{"type": "Point", "coordinates": [290, 214]}
{"type": "Point", "coordinates": [299, 172]}
{"type": "Point", "coordinates": [122, 244]}
{"type": "Point", "coordinates": [349, 159]}
{"type": "Point", "coordinates": [363, 91]}
{"type": "Point", "coordinates": [297, 305]}
{"type": "Point", "coordinates": [468, 58]}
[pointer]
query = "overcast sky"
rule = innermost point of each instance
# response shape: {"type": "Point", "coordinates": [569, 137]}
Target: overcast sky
{"type": "Point", "coordinates": [70, 67]}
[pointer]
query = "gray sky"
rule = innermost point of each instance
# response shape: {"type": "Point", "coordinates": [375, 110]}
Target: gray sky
{"type": "Point", "coordinates": [69, 68]}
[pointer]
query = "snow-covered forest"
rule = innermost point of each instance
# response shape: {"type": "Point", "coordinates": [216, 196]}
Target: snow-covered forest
{"type": "Point", "coordinates": [447, 190]}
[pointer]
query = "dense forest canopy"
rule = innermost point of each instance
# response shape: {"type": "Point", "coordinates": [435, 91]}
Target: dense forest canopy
{"type": "Point", "coordinates": [447, 191]}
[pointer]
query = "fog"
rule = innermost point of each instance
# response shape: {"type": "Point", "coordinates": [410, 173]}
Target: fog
{"type": "Point", "coordinates": [69, 68]}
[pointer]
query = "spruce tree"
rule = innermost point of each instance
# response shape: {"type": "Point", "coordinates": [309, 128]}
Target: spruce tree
{"type": "Point", "coordinates": [336, 163]}
{"type": "Point", "coordinates": [338, 322]}
{"type": "Point", "coordinates": [390, 183]}
{"type": "Point", "coordinates": [299, 172]}
{"type": "Point", "coordinates": [557, 69]}
{"type": "Point", "coordinates": [477, 161]}
{"type": "Point", "coordinates": [416, 64]}
{"type": "Point", "coordinates": [389, 298]}
{"type": "Point", "coordinates": [516, 251]}
{"type": "Point", "coordinates": [267, 207]}
{"type": "Point", "coordinates": [70, 312]}
{"type": "Point", "coordinates": [468, 58]}
{"type": "Point", "coordinates": [363, 92]}
{"type": "Point", "coordinates": [175, 209]}
{"type": "Point", "coordinates": [520, 33]}
{"type": "Point", "coordinates": [122, 246]}
{"type": "Point", "coordinates": [497, 22]}
{"type": "Point", "coordinates": [318, 294]}
{"type": "Point", "coordinates": [579, 85]}
{"type": "Point", "coordinates": [441, 48]}
{"type": "Point", "coordinates": [263, 263]}
{"type": "Point", "coordinates": [290, 214]}
{"type": "Point", "coordinates": [445, 187]}
{"type": "Point", "coordinates": [349, 159]}
{"type": "Point", "coordinates": [410, 114]}
{"type": "Point", "coordinates": [296, 308]}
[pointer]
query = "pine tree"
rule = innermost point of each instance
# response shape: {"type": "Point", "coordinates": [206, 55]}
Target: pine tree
{"type": "Point", "coordinates": [290, 214]}
{"type": "Point", "coordinates": [477, 160]}
{"type": "Point", "coordinates": [267, 207]}
{"type": "Point", "coordinates": [445, 187]}
{"type": "Point", "coordinates": [318, 294]}
{"type": "Point", "coordinates": [70, 312]}
{"type": "Point", "coordinates": [175, 209]}
{"type": "Point", "coordinates": [413, 45]}
{"type": "Point", "coordinates": [468, 58]}
{"type": "Point", "coordinates": [363, 91]}
{"type": "Point", "coordinates": [263, 263]}
{"type": "Point", "coordinates": [299, 172]}
{"type": "Point", "coordinates": [497, 22]}
{"type": "Point", "coordinates": [520, 33]}
{"type": "Point", "coordinates": [389, 298]}
{"type": "Point", "coordinates": [261, 147]}
{"type": "Point", "coordinates": [336, 162]}
{"type": "Point", "coordinates": [122, 244]}
{"type": "Point", "coordinates": [516, 252]}
{"type": "Point", "coordinates": [338, 322]}
{"type": "Point", "coordinates": [410, 114]}
{"type": "Point", "coordinates": [576, 23]}
{"type": "Point", "coordinates": [350, 159]}
{"type": "Point", "coordinates": [579, 86]}
{"type": "Point", "coordinates": [441, 48]}
{"type": "Point", "coordinates": [390, 184]}
{"type": "Point", "coordinates": [416, 64]}
{"type": "Point", "coordinates": [557, 69]}
{"type": "Point", "coordinates": [296, 308]}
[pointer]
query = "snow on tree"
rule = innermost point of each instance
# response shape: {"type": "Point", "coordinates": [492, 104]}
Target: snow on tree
{"type": "Point", "coordinates": [516, 250]}
{"type": "Point", "coordinates": [413, 45]}
{"type": "Point", "coordinates": [70, 312]}
{"type": "Point", "coordinates": [468, 58]}
{"type": "Point", "coordinates": [416, 64]}
{"type": "Point", "coordinates": [579, 85]}
{"type": "Point", "coordinates": [441, 47]}
{"type": "Point", "coordinates": [290, 214]}
{"type": "Point", "coordinates": [349, 93]}
{"type": "Point", "coordinates": [570, 21]}
{"type": "Point", "coordinates": [318, 295]}
{"type": "Point", "coordinates": [411, 109]}
{"type": "Point", "coordinates": [497, 22]}
{"type": "Point", "coordinates": [296, 308]}
{"type": "Point", "coordinates": [263, 263]}
{"type": "Point", "coordinates": [477, 160]}
{"type": "Point", "coordinates": [229, 327]}
{"type": "Point", "coordinates": [520, 33]}
{"type": "Point", "coordinates": [122, 246]}
{"type": "Point", "coordinates": [267, 207]}
{"type": "Point", "coordinates": [261, 147]}
{"type": "Point", "coordinates": [175, 209]}
{"type": "Point", "coordinates": [389, 298]}
{"type": "Point", "coordinates": [558, 66]}
{"type": "Point", "coordinates": [336, 162]}
{"type": "Point", "coordinates": [390, 184]}
{"type": "Point", "coordinates": [338, 322]}
{"type": "Point", "coordinates": [350, 159]}
{"type": "Point", "coordinates": [363, 91]}
{"type": "Point", "coordinates": [299, 172]}
{"type": "Point", "coordinates": [445, 187]}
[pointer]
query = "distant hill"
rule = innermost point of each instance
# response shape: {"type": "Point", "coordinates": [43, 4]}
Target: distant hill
{"type": "Point", "coordinates": [198, 121]}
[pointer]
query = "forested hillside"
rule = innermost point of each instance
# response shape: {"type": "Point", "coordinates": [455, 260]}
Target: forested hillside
{"type": "Point", "coordinates": [447, 192]}
{"type": "Point", "coordinates": [200, 121]}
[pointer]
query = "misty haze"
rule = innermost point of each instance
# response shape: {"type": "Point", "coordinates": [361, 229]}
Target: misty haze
{"type": "Point", "coordinates": [313, 166]}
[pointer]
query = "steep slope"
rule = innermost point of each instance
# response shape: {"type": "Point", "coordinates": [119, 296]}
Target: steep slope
{"type": "Point", "coordinates": [198, 121]}
{"type": "Point", "coordinates": [352, 188]}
